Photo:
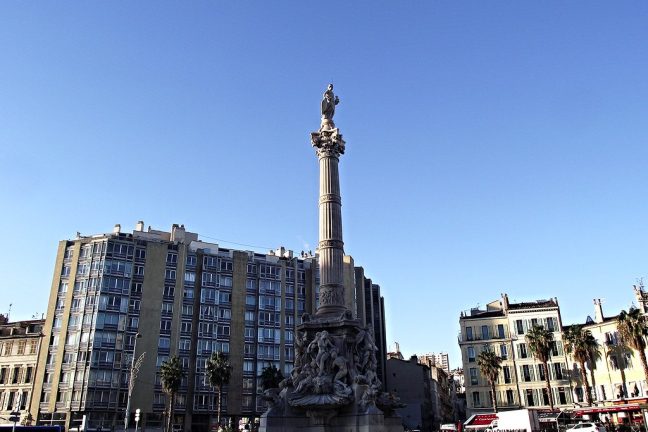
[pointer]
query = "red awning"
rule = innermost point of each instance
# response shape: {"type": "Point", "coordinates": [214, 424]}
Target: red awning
{"type": "Point", "coordinates": [479, 421]}
{"type": "Point", "coordinates": [607, 409]}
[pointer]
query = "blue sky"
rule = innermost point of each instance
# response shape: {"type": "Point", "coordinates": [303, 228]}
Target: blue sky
{"type": "Point", "coordinates": [491, 146]}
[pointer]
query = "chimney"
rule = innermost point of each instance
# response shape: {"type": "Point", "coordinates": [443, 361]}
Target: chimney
{"type": "Point", "coordinates": [598, 311]}
{"type": "Point", "coordinates": [178, 233]}
{"type": "Point", "coordinates": [117, 229]}
{"type": "Point", "coordinates": [505, 302]}
{"type": "Point", "coordinates": [139, 226]}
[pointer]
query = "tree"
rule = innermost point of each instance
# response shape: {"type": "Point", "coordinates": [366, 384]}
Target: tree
{"type": "Point", "coordinates": [633, 328]}
{"type": "Point", "coordinates": [540, 342]}
{"type": "Point", "coordinates": [489, 365]}
{"type": "Point", "coordinates": [171, 374]}
{"type": "Point", "coordinates": [584, 348]}
{"type": "Point", "coordinates": [271, 377]}
{"type": "Point", "coordinates": [618, 355]}
{"type": "Point", "coordinates": [219, 372]}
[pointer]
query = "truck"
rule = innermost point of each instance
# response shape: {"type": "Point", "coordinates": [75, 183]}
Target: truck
{"type": "Point", "coordinates": [522, 420]}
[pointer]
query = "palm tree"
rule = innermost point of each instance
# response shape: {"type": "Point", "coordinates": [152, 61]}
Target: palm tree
{"type": "Point", "coordinates": [271, 377]}
{"type": "Point", "coordinates": [171, 374]}
{"type": "Point", "coordinates": [620, 352]}
{"type": "Point", "coordinates": [633, 328]}
{"type": "Point", "coordinates": [219, 372]}
{"type": "Point", "coordinates": [540, 342]}
{"type": "Point", "coordinates": [489, 365]}
{"type": "Point", "coordinates": [584, 348]}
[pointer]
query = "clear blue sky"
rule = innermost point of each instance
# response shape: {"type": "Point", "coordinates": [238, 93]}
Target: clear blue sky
{"type": "Point", "coordinates": [491, 146]}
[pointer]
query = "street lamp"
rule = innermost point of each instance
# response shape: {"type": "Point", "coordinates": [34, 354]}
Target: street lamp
{"type": "Point", "coordinates": [135, 365]}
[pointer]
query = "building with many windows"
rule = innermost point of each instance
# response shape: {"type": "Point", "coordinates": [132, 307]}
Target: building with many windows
{"type": "Point", "coordinates": [502, 327]}
{"type": "Point", "coordinates": [183, 297]}
{"type": "Point", "coordinates": [19, 345]}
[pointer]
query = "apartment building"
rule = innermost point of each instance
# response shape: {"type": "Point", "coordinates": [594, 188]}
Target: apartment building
{"type": "Point", "coordinates": [502, 327]}
{"type": "Point", "coordinates": [19, 345]}
{"type": "Point", "coordinates": [440, 359]}
{"type": "Point", "coordinates": [618, 374]}
{"type": "Point", "coordinates": [159, 294]}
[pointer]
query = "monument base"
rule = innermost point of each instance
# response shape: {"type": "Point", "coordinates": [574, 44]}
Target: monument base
{"type": "Point", "coordinates": [333, 387]}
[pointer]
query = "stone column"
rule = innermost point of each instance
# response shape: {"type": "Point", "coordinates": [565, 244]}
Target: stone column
{"type": "Point", "coordinates": [329, 146]}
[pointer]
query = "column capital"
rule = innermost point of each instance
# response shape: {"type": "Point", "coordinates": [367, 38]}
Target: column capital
{"type": "Point", "coordinates": [328, 142]}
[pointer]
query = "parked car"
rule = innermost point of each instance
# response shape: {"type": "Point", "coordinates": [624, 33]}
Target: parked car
{"type": "Point", "coordinates": [587, 427]}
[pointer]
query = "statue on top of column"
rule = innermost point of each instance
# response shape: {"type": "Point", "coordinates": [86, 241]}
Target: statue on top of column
{"type": "Point", "coordinates": [329, 101]}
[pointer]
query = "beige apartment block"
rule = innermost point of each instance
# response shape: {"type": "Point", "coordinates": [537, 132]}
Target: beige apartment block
{"type": "Point", "coordinates": [184, 297]}
{"type": "Point", "coordinates": [19, 345]}
{"type": "Point", "coordinates": [618, 374]}
{"type": "Point", "coordinates": [502, 327]}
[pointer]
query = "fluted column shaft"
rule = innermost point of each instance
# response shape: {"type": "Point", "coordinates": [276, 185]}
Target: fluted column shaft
{"type": "Point", "coordinates": [330, 145]}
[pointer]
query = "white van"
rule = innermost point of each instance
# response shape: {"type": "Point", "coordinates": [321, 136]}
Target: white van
{"type": "Point", "coordinates": [448, 427]}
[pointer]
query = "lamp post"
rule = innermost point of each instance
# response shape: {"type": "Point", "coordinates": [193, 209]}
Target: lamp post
{"type": "Point", "coordinates": [131, 380]}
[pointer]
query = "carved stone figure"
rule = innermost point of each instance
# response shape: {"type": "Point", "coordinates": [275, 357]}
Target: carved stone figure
{"type": "Point", "coordinates": [322, 343]}
{"type": "Point", "coordinates": [329, 100]}
{"type": "Point", "coordinates": [339, 363]}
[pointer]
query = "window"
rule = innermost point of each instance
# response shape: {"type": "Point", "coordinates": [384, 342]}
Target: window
{"type": "Point", "coordinates": [164, 343]}
{"type": "Point", "coordinates": [191, 260]}
{"type": "Point", "coordinates": [140, 254]}
{"type": "Point", "coordinates": [139, 270]}
{"type": "Point", "coordinates": [506, 371]}
{"type": "Point", "coordinates": [167, 308]}
{"type": "Point", "coordinates": [185, 327]}
{"type": "Point", "coordinates": [169, 274]}
{"type": "Point", "coordinates": [558, 370]}
{"type": "Point", "coordinates": [22, 345]}
{"type": "Point", "coordinates": [471, 354]}
{"type": "Point", "coordinates": [187, 310]}
{"type": "Point", "coordinates": [225, 314]}
{"type": "Point", "coordinates": [509, 397]}
{"type": "Point", "coordinates": [541, 372]}
{"type": "Point", "coordinates": [251, 268]}
{"type": "Point", "coordinates": [250, 316]}
{"type": "Point", "coordinates": [224, 297]}
{"type": "Point", "coordinates": [225, 281]}
{"type": "Point", "coordinates": [522, 350]}
{"type": "Point", "coordinates": [503, 352]}
{"type": "Point", "coordinates": [529, 397]}
{"type": "Point", "coordinates": [519, 327]}
{"type": "Point", "coordinates": [250, 300]}
{"type": "Point", "coordinates": [184, 345]}
{"type": "Point", "coordinates": [473, 376]}
{"type": "Point", "coordinates": [136, 287]}
{"type": "Point", "coordinates": [165, 326]}
{"type": "Point", "coordinates": [250, 284]}
{"type": "Point", "coordinates": [552, 324]}
{"type": "Point", "coordinates": [484, 332]}
{"type": "Point", "coordinates": [469, 333]}
{"type": "Point", "coordinates": [188, 293]}
{"type": "Point", "coordinates": [500, 331]}
{"type": "Point", "coordinates": [526, 373]}
{"type": "Point", "coordinates": [223, 330]}
{"type": "Point", "coordinates": [475, 399]}
{"type": "Point", "coordinates": [207, 295]}
{"type": "Point", "coordinates": [562, 397]}
{"type": "Point", "coordinates": [169, 291]}
{"type": "Point", "coordinates": [226, 266]}
{"type": "Point", "coordinates": [579, 394]}
{"type": "Point", "coordinates": [172, 258]}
